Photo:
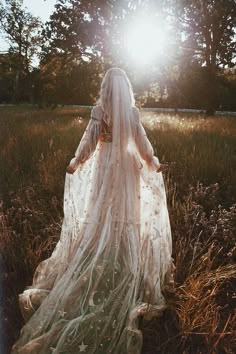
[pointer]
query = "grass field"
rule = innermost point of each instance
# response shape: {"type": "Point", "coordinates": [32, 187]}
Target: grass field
{"type": "Point", "coordinates": [36, 146]}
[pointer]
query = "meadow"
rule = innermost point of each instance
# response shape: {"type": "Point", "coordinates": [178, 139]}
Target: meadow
{"type": "Point", "coordinates": [36, 146]}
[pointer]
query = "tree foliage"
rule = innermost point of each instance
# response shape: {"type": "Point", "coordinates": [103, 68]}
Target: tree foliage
{"type": "Point", "coordinates": [208, 28]}
{"type": "Point", "coordinates": [22, 30]}
{"type": "Point", "coordinates": [208, 44]}
{"type": "Point", "coordinates": [83, 38]}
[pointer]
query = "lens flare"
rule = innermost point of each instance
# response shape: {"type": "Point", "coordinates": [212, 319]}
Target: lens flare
{"type": "Point", "coordinates": [145, 42]}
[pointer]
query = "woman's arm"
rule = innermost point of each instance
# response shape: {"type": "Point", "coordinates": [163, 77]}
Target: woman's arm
{"type": "Point", "coordinates": [88, 141]}
{"type": "Point", "coordinates": [144, 145]}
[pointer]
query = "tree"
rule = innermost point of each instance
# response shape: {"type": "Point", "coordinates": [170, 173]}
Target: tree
{"type": "Point", "coordinates": [92, 32]}
{"type": "Point", "coordinates": [208, 32]}
{"type": "Point", "coordinates": [84, 29]}
{"type": "Point", "coordinates": [81, 35]}
{"type": "Point", "coordinates": [22, 30]}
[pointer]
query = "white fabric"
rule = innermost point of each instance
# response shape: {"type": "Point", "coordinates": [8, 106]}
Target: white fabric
{"type": "Point", "coordinates": [113, 258]}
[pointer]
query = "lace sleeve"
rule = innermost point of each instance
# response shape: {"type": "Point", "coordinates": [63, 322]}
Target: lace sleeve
{"type": "Point", "coordinates": [88, 141]}
{"type": "Point", "coordinates": [144, 145]}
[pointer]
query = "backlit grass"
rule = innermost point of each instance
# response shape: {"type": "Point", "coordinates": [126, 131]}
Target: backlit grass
{"type": "Point", "coordinates": [36, 146]}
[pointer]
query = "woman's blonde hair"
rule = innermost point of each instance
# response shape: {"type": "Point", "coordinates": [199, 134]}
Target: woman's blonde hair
{"type": "Point", "coordinates": [105, 95]}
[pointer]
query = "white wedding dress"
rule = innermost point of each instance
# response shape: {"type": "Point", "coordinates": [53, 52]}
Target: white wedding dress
{"type": "Point", "coordinates": [113, 260]}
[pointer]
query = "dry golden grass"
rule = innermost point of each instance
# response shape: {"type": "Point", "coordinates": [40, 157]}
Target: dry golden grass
{"type": "Point", "coordinates": [201, 194]}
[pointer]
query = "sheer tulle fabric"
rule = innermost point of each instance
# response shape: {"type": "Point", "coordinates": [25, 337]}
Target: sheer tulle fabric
{"type": "Point", "coordinates": [113, 258]}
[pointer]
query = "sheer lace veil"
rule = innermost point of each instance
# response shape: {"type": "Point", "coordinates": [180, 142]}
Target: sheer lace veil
{"type": "Point", "coordinates": [117, 99]}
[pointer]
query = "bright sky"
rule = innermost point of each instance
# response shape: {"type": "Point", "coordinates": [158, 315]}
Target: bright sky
{"type": "Point", "coordinates": [40, 8]}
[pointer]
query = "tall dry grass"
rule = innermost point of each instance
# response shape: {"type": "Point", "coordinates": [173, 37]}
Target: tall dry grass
{"type": "Point", "coordinates": [200, 185]}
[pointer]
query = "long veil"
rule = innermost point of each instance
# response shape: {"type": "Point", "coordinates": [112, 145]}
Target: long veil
{"type": "Point", "coordinates": [113, 258]}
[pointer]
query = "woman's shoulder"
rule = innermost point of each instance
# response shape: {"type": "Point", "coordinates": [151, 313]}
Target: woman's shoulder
{"type": "Point", "coordinates": [96, 112]}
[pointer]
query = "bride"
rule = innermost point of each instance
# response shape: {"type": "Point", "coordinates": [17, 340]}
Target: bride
{"type": "Point", "coordinates": [113, 260]}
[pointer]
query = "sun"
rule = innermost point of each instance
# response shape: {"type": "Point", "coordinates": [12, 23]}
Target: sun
{"type": "Point", "coordinates": [145, 41]}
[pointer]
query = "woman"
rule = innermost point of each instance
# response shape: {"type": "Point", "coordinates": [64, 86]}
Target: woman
{"type": "Point", "coordinates": [113, 260]}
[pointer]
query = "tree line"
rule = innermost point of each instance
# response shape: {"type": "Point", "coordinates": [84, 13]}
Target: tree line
{"type": "Point", "coordinates": [82, 39]}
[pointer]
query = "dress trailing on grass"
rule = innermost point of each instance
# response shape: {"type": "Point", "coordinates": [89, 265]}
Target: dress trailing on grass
{"type": "Point", "coordinates": [113, 260]}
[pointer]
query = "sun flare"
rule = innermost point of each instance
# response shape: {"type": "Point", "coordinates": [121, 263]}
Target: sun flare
{"type": "Point", "coordinates": [144, 41]}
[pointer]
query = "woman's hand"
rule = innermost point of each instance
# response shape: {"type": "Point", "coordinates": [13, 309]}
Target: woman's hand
{"type": "Point", "coordinates": [70, 169]}
{"type": "Point", "coordinates": [163, 167]}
